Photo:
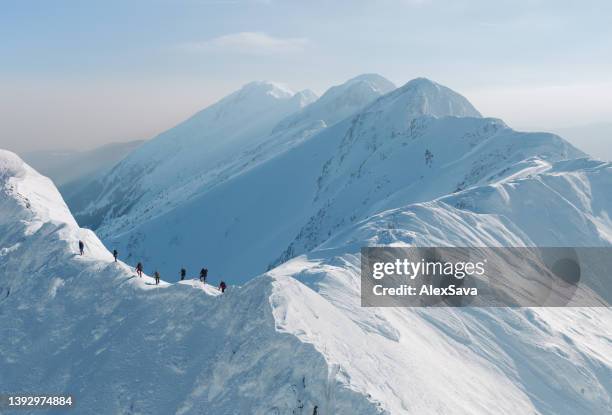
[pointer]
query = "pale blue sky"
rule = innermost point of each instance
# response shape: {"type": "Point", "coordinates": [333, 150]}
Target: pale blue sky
{"type": "Point", "coordinates": [82, 73]}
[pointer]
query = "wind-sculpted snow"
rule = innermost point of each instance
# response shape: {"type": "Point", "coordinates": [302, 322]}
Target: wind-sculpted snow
{"type": "Point", "coordinates": [377, 167]}
{"type": "Point", "coordinates": [455, 361]}
{"type": "Point", "coordinates": [468, 360]}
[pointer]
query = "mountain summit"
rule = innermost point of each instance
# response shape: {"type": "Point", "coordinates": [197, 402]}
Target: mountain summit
{"type": "Point", "coordinates": [180, 155]}
{"type": "Point", "coordinates": [339, 102]}
{"type": "Point", "coordinates": [421, 96]}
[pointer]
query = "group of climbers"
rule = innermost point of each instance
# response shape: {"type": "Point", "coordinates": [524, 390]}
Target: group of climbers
{"type": "Point", "coordinates": [139, 270]}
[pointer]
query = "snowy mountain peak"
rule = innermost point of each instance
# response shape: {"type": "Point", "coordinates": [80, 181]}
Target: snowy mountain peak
{"type": "Point", "coordinates": [305, 97]}
{"type": "Point", "coordinates": [339, 102]}
{"type": "Point", "coordinates": [269, 88]}
{"type": "Point", "coordinates": [359, 88]}
{"type": "Point", "coordinates": [255, 100]}
{"type": "Point", "coordinates": [422, 96]}
{"type": "Point", "coordinates": [252, 99]}
{"type": "Point", "coordinates": [11, 165]}
{"type": "Point", "coordinates": [33, 198]}
{"type": "Point", "coordinates": [375, 81]}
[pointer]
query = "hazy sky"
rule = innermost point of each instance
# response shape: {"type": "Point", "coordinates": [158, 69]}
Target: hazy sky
{"type": "Point", "coordinates": [82, 73]}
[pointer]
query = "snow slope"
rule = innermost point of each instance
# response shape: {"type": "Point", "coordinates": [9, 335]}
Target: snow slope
{"type": "Point", "coordinates": [267, 120]}
{"type": "Point", "coordinates": [414, 144]}
{"type": "Point", "coordinates": [554, 360]}
{"type": "Point", "coordinates": [297, 336]}
{"type": "Point", "coordinates": [165, 166]}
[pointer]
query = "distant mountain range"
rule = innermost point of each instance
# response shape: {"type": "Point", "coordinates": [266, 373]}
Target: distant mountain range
{"type": "Point", "coordinates": [594, 139]}
{"type": "Point", "coordinates": [69, 166]}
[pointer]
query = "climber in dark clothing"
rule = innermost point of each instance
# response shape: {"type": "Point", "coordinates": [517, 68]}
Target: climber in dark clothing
{"type": "Point", "coordinates": [203, 275]}
{"type": "Point", "coordinates": [183, 273]}
{"type": "Point", "coordinates": [222, 286]}
{"type": "Point", "coordinates": [156, 278]}
{"type": "Point", "coordinates": [115, 253]}
{"type": "Point", "coordinates": [139, 269]}
{"type": "Point", "coordinates": [81, 247]}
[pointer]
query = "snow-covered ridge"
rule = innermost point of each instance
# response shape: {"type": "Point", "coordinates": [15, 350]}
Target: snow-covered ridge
{"type": "Point", "coordinates": [546, 361]}
{"type": "Point", "coordinates": [29, 197]}
{"type": "Point", "coordinates": [87, 326]}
